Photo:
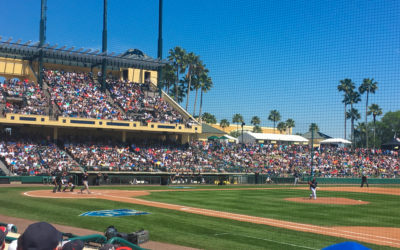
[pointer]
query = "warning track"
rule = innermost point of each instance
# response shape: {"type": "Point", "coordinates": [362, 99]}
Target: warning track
{"type": "Point", "coordinates": [375, 235]}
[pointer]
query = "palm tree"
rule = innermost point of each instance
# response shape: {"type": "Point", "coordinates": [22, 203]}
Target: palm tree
{"type": "Point", "coordinates": [257, 129]}
{"type": "Point", "coordinates": [353, 115]}
{"type": "Point", "coordinates": [224, 123]}
{"type": "Point", "coordinates": [313, 127]}
{"type": "Point", "coordinates": [209, 118]}
{"type": "Point", "coordinates": [281, 127]}
{"type": "Point", "coordinates": [198, 71]}
{"type": "Point", "coordinates": [206, 84]}
{"type": "Point", "coordinates": [368, 86]}
{"type": "Point", "coordinates": [238, 119]}
{"type": "Point", "coordinates": [192, 61]}
{"type": "Point", "coordinates": [177, 57]}
{"type": "Point", "coordinates": [255, 120]}
{"type": "Point", "coordinates": [360, 132]}
{"type": "Point", "coordinates": [375, 111]}
{"type": "Point", "coordinates": [274, 116]}
{"type": "Point", "coordinates": [168, 77]}
{"type": "Point", "coordinates": [177, 92]}
{"type": "Point", "coordinates": [290, 124]}
{"type": "Point", "coordinates": [346, 86]}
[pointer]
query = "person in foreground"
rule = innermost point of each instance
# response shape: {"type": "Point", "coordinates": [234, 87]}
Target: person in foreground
{"type": "Point", "coordinates": [313, 187]}
{"type": "Point", "coordinates": [43, 236]}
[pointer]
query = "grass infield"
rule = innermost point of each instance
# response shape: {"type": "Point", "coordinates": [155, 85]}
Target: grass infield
{"type": "Point", "coordinates": [215, 233]}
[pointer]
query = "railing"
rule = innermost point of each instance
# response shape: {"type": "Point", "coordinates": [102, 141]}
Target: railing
{"type": "Point", "coordinates": [97, 123]}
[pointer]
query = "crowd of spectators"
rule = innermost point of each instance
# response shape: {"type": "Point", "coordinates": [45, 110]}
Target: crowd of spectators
{"type": "Point", "coordinates": [140, 106]}
{"type": "Point", "coordinates": [25, 157]}
{"type": "Point", "coordinates": [77, 95]}
{"type": "Point", "coordinates": [33, 158]}
{"type": "Point", "coordinates": [22, 97]}
{"type": "Point", "coordinates": [214, 157]}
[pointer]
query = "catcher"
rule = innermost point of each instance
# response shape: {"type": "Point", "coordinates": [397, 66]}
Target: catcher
{"type": "Point", "coordinates": [313, 187]}
{"type": "Point", "coordinates": [69, 184]}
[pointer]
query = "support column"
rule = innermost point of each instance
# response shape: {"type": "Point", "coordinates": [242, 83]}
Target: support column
{"type": "Point", "coordinates": [42, 39]}
{"type": "Point", "coordinates": [55, 133]}
{"type": "Point", "coordinates": [124, 136]}
{"type": "Point", "coordinates": [104, 47]}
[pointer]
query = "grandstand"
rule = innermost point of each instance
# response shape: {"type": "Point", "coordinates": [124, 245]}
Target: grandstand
{"type": "Point", "coordinates": [72, 122]}
{"type": "Point", "coordinates": [42, 125]}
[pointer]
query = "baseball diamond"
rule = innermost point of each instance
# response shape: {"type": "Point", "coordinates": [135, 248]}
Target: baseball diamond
{"type": "Point", "coordinates": [384, 236]}
{"type": "Point", "coordinates": [205, 124]}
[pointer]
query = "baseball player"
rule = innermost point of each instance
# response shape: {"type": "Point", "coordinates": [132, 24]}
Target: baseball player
{"type": "Point", "coordinates": [313, 187]}
{"type": "Point", "coordinates": [85, 179]}
{"type": "Point", "coordinates": [69, 184]}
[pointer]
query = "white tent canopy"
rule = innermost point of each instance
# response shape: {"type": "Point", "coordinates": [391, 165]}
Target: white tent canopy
{"type": "Point", "coordinates": [335, 141]}
{"type": "Point", "coordinates": [231, 138]}
{"type": "Point", "coordinates": [250, 137]}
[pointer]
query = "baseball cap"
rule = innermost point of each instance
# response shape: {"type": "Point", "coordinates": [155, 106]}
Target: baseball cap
{"type": "Point", "coordinates": [39, 236]}
{"type": "Point", "coordinates": [4, 230]}
{"type": "Point", "coordinates": [73, 245]}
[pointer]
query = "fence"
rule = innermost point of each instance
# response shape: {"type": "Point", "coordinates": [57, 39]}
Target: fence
{"type": "Point", "coordinates": [187, 179]}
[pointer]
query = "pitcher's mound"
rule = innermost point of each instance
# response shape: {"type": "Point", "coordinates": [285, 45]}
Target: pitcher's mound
{"type": "Point", "coordinates": [328, 200]}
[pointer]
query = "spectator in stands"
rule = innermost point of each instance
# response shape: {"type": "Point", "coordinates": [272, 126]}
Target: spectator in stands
{"type": "Point", "coordinates": [77, 95]}
{"type": "Point", "coordinates": [25, 157]}
{"type": "Point", "coordinates": [23, 97]}
{"type": "Point", "coordinates": [73, 245]}
{"type": "Point", "coordinates": [140, 106]}
{"type": "Point", "coordinates": [2, 239]}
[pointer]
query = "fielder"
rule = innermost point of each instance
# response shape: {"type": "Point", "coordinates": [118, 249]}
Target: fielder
{"type": "Point", "coordinates": [313, 187]}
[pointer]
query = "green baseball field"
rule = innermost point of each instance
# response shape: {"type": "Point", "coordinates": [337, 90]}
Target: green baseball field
{"type": "Point", "coordinates": [227, 217]}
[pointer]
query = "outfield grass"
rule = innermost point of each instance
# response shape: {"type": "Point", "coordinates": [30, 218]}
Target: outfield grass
{"type": "Point", "coordinates": [208, 232]}
{"type": "Point", "coordinates": [271, 204]}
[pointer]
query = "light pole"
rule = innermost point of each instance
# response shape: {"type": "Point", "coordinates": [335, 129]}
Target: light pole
{"type": "Point", "coordinates": [242, 131]}
{"type": "Point", "coordinates": [312, 151]}
{"type": "Point", "coordinates": [160, 43]}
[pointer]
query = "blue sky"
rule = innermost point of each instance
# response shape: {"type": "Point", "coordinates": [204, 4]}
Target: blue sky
{"type": "Point", "coordinates": [262, 55]}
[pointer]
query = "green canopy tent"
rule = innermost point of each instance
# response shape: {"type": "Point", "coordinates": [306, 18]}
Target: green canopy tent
{"type": "Point", "coordinates": [213, 137]}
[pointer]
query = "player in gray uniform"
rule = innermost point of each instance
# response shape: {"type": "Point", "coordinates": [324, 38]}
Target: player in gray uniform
{"type": "Point", "coordinates": [313, 187]}
{"type": "Point", "coordinates": [85, 179]}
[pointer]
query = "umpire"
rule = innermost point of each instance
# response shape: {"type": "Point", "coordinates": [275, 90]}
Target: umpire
{"type": "Point", "coordinates": [57, 182]}
{"type": "Point", "coordinates": [364, 180]}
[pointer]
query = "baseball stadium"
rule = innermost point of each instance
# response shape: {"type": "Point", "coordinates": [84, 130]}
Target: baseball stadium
{"type": "Point", "coordinates": [279, 131]}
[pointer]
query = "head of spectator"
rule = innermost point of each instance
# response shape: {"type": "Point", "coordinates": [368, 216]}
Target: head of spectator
{"type": "Point", "coordinates": [2, 240]}
{"type": "Point", "coordinates": [39, 236]}
{"type": "Point", "coordinates": [107, 247]}
{"type": "Point", "coordinates": [73, 245]}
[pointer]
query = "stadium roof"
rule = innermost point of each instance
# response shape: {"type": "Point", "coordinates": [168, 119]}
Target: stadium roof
{"type": "Point", "coordinates": [317, 135]}
{"type": "Point", "coordinates": [210, 130]}
{"type": "Point", "coordinates": [276, 137]}
{"type": "Point", "coordinates": [335, 141]}
{"type": "Point", "coordinates": [77, 57]}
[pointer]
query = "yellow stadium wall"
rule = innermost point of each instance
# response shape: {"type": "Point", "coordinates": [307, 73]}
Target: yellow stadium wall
{"type": "Point", "coordinates": [96, 124]}
{"type": "Point", "coordinates": [138, 75]}
{"type": "Point", "coordinates": [16, 68]}
{"type": "Point", "coordinates": [234, 127]}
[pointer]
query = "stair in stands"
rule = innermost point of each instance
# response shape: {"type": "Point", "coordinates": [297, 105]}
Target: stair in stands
{"type": "Point", "coordinates": [5, 169]}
